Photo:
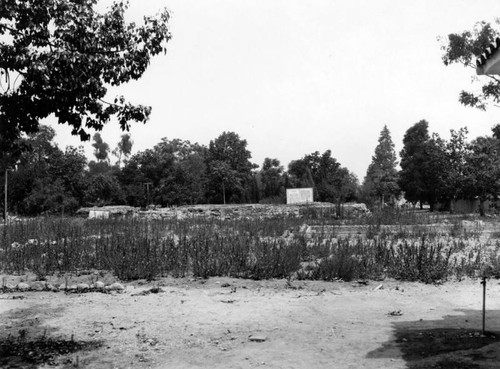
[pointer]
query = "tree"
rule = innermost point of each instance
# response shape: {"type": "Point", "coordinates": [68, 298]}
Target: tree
{"type": "Point", "coordinates": [123, 148]}
{"type": "Point", "coordinates": [271, 178]}
{"type": "Point", "coordinates": [381, 178]}
{"type": "Point", "coordinates": [103, 189]}
{"type": "Point", "coordinates": [464, 48]}
{"type": "Point", "coordinates": [221, 172]}
{"type": "Point", "coordinates": [435, 171]}
{"type": "Point", "coordinates": [60, 56]}
{"type": "Point", "coordinates": [101, 148]}
{"type": "Point", "coordinates": [411, 176]}
{"type": "Point", "coordinates": [458, 150]}
{"type": "Point", "coordinates": [47, 180]}
{"type": "Point", "coordinates": [482, 174]}
{"type": "Point", "coordinates": [331, 182]}
{"type": "Point", "coordinates": [183, 181]}
{"type": "Point", "coordinates": [175, 169]}
{"type": "Point", "coordinates": [228, 160]}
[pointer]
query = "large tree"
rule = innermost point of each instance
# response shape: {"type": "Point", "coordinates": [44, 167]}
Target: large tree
{"type": "Point", "coordinates": [381, 180]}
{"type": "Point", "coordinates": [229, 168]}
{"type": "Point", "coordinates": [411, 177]}
{"type": "Point", "coordinates": [60, 56]}
{"type": "Point", "coordinates": [464, 48]}
{"type": "Point", "coordinates": [174, 170]}
{"type": "Point", "coordinates": [458, 151]}
{"type": "Point", "coordinates": [272, 181]}
{"type": "Point", "coordinates": [47, 179]}
{"type": "Point", "coordinates": [331, 182]}
{"type": "Point", "coordinates": [123, 148]}
{"type": "Point", "coordinates": [482, 173]}
{"type": "Point", "coordinates": [101, 148]}
{"type": "Point", "coordinates": [435, 171]}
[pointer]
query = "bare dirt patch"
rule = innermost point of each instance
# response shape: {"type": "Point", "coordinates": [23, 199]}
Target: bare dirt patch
{"type": "Point", "coordinates": [235, 323]}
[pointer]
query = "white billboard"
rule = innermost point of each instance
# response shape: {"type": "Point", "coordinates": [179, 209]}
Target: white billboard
{"type": "Point", "coordinates": [299, 195]}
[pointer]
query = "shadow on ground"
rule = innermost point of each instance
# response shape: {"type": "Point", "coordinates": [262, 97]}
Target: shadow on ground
{"type": "Point", "coordinates": [454, 342]}
{"type": "Point", "coordinates": [26, 342]}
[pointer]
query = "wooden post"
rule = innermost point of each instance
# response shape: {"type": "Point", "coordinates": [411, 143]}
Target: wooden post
{"type": "Point", "coordinates": [5, 200]}
{"type": "Point", "coordinates": [484, 305]}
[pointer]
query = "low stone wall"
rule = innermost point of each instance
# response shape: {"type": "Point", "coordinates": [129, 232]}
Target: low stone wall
{"type": "Point", "coordinates": [210, 211]}
{"type": "Point", "coordinates": [227, 211]}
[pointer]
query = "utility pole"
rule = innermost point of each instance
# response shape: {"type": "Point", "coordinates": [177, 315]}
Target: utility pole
{"type": "Point", "coordinates": [147, 184]}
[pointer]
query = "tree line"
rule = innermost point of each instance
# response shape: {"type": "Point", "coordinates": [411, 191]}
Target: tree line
{"type": "Point", "coordinates": [434, 170]}
{"type": "Point", "coordinates": [43, 179]}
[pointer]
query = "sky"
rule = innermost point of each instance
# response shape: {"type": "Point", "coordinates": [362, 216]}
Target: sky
{"type": "Point", "coordinates": [292, 77]}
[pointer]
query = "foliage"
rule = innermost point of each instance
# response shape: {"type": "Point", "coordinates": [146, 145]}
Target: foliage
{"type": "Point", "coordinates": [173, 169]}
{"type": "Point", "coordinates": [47, 180]}
{"type": "Point", "coordinates": [59, 57]}
{"type": "Point", "coordinates": [458, 149]}
{"type": "Point", "coordinates": [427, 163]}
{"type": "Point", "coordinates": [331, 182]}
{"type": "Point", "coordinates": [229, 169]}
{"type": "Point", "coordinates": [381, 179]}
{"type": "Point", "coordinates": [102, 189]}
{"type": "Point", "coordinates": [412, 161]}
{"type": "Point", "coordinates": [123, 148]}
{"type": "Point", "coordinates": [272, 181]}
{"type": "Point", "coordinates": [464, 48]}
{"type": "Point", "coordinates": [101, 148]}
{"type": "Point", "coordinates": [482, 171]}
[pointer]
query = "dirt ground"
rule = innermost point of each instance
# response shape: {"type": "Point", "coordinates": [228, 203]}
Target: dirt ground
{"type": "Point", "coordinates": [234, 323]}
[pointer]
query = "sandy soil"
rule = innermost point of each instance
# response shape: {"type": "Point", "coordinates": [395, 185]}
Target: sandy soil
{"type": "Point", "coordinates": [230, 323]}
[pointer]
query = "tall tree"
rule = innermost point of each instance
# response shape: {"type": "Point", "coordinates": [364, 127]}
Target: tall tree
{"type": "Point", "coordinates": [101, 148]}
{"type": "Point", "coordinates": [331, 182]}
{"type": "Point", "coordinates": [123, 148]}
{"type": "Point", "coordinates": [435, 171]}
{"type": "Point", "coordinates": [483, 170]}
{"type": "Point", "coordinates": [381, 180]}
{"type": "Point", "coordinates": [271, 177]}
{"type": "Point", "coordinates": [60, 56]}
{"type": "Point", "coordinates": [464, 48]}
{"type": "Point", "coordinates": [47, 179]}
{"type": "Point", "coordinates": [173, 169]}
{"type": "Point", "coordinates": [411, 176]}
{"type": "Point", "coordinates": [458, 150]}
{"type": "Point", "coordinates": [228, 160]}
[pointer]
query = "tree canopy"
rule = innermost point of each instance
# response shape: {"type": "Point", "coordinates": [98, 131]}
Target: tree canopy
{"type": "Point", "coordinates": [229, 168]}
{"type": "Point", "coordinates": [381, 180]}
{"type": "Point", "coordinates": [60, 56]}
{"type": "Point", "coordinates": [464, 48]}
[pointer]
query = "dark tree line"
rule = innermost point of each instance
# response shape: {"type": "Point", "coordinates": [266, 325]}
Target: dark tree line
{"type": "Point", "coordinates": [174, 172]}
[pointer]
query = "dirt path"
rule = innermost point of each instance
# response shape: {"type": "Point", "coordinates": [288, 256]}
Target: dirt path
{"type": "Point", "coordinates": [212, 324]}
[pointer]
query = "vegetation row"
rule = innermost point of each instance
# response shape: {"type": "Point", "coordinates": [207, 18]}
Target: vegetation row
{"type": "Point", "coordinates": [137, 249]}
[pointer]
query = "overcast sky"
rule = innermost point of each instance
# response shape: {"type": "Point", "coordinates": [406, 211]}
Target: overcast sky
{"type": "Point", "coordinates": [294, 77]}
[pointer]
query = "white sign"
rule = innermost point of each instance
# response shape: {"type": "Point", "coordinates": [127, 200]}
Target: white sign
{"type": "Point", "coordinates": [299, 195]}
{"type": "Point", "coordinates": [98, 214]}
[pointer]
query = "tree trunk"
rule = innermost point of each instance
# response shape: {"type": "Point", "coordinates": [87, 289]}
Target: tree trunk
{"type": "Point", "coordinates": [452, 205]}
{"type": "Point", "coordinates": [482, 212]}
{"type": "Point", "coordinates": [224, 193]}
